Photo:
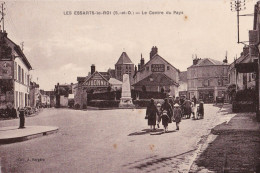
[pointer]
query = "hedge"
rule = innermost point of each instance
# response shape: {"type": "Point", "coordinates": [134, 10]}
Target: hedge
{"type": "Point", "coordinates": [104, 103]}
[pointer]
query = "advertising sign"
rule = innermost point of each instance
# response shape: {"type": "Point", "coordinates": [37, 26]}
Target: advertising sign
{"type": "Point", "coordinates": [6, 69]}
{"type": "Point", "coordinates": [158, 67]}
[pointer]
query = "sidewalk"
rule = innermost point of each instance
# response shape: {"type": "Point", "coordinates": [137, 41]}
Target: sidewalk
{"type": "Point", "coordinates": [233, 146]}
{"type": "Point", "coordinates": [13, 134]}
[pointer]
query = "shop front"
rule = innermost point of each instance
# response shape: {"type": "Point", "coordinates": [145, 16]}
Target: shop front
{"type": "Point", "coordinates": [206, 95]}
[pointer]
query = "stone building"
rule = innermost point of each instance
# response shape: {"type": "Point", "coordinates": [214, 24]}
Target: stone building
{"type": "Point", "coordinates": [183, 88]}
{"type": "Point", "coordinates": [34, 94]}
{"type": "Point", "coordinates": [157, 75]}
{"type": "Point", "coordinates": [207, 79]}
{"type": "Point", "coordinates": [14, 74]}
{"type": "Point", "coordinates": [123, 66]}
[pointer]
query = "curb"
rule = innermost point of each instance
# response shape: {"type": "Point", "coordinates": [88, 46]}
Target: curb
{"type": "Point", "coordinates": [28, 137]}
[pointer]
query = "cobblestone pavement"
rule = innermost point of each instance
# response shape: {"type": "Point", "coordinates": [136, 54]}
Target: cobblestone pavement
{"type": "Point", "coordinates": [232, 147]}
{"type": "Point", "coordinates": [108, 141]}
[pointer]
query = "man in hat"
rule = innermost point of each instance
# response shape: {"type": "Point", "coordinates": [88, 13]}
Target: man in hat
{"type": "Point", "coordinates": [177, 115]}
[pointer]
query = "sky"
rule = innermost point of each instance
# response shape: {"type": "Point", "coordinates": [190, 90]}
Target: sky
{"type": "Point", "coordinates": [62, 46]}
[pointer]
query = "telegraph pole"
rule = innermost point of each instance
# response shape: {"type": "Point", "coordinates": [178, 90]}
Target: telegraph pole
{"type": "Point", "coordinates": [3, 14]}
{"type": "Point", "coordinates": [238, 5]}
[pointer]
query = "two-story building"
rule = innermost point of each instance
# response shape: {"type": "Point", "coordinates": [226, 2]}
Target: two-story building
{"type": "Point", "coordinates": [207, 79]}
{"type": "Point", "coordinates": [14, 74]}
{"type": "Point", "coordinates": [157, 75]}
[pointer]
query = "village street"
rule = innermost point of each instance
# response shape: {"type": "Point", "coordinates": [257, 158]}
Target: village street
{"type": "Point", "coordinates": [107, 141]}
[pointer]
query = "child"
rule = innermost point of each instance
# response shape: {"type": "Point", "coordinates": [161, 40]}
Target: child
{"type": "Point", "coordinates": [193, 109]}
{"type": "Point", "coordinates": [165, 120]}
{"type": "Point", "coordinates": [159, 115]}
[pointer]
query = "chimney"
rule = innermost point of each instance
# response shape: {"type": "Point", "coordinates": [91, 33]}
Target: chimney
{"type": "Point", "coordinates": [93, 68]}
{"type": "Point", "coordinates": [142, 61]}
{"type": "Point", "coordinates": [139, 66]}
{"type": "Point", "coordinates": [153, 52]}
{"type": "Point", "coordinates": [225, 60]}
{"type": "Point", "coordinates": [195, 60]}
{"type": "Point", "coordinates": [135, 69]}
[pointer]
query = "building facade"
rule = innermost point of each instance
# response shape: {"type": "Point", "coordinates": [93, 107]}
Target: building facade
{"type": "Point", "coordinates": [183, 88]}
{"type": "Point", "coordinates": [242, 80]}
{"type": "Point", "coordinates": [207, 79]}
{"type": "Point", "coordinates": [14, 75]}
{"type": "Point", "coordinates": [157, 75]}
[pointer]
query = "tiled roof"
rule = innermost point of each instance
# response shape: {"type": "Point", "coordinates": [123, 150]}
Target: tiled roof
{"type": "Point", "coordinates": [105, 75]}
{"type": "Point", "coordinates": [183, 76]}
{"type": "Point", "coordinates": [114, 81]}
{"type": "Point", "coordinates": [124, 59]}
{"type": "Point", "coordinates": [208, 62]}
{"type": "Point", "coordinates": [158, 56]}
{"type": "Point", "coordinates": [156, 79]}
{"type": "Point", "coordinates": [18, 51]}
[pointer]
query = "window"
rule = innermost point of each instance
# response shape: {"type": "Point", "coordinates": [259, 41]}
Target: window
{"type": "Point", "coordinates": [28, 80]}
{"type": "Point", "coordinates": [19, 73]}
{"type": "Point", "coordinates": [147, 68]}
{"type": "Point", "coordinates": [16, 99]}
{"type": "Point", "coordinates": [15, 70]}
{"type": "Point", "coordinates": [168, 67]}
{"type": "Point", "coordinates": [22, 77]}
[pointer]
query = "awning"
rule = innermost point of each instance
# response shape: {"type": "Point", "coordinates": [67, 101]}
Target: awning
{"type": "Point", "coordinates": [247, 67]}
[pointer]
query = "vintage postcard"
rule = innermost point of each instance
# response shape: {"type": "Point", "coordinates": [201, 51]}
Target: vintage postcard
{"type": "Point", "coordinates": [122, 86]}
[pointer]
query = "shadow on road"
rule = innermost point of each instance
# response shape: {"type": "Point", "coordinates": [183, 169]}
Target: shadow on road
{"type": "Point", "coordinates": [154, 163]}
{"type": "Point", "coordinates": [145, 131]}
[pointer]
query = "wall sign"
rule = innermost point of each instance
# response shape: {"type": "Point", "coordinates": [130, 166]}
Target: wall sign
{"type": "Point", "coordinates": [6, 69]}
{"type": "Point", "coordinates": [158, 68]}
{"type": "Point", "coordinates": [97, 81]}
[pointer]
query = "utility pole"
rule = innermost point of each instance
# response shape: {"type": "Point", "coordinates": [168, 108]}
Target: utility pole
{"type": "Point", "coordinates": [3, 14]}
{"type": "Point", "coordinates": [238, 5]}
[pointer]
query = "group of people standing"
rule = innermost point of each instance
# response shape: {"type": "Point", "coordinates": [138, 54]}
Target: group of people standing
{"type": "Point", "coordinates": [172, 110]}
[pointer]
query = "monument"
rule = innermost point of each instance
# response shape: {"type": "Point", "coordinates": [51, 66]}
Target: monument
{"type": "Point", "coordinates": [126, 99]}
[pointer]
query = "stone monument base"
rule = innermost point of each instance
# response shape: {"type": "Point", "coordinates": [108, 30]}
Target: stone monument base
{"type": "Point", "coordinates": [126, 103]}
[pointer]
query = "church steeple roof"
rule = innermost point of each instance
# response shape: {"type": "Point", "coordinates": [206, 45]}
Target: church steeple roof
{"type": "Point", "coordinates": [124, 59]}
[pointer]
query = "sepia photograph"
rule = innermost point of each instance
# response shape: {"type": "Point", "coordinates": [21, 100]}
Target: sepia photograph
{"type": "Point", "coordinates": [129, 86]}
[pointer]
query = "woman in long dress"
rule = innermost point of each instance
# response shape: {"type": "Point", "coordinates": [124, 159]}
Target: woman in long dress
{"type": "Point", "coordinates": [151, 112]}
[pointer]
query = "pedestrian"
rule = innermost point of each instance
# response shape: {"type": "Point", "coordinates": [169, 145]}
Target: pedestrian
{"type": "Point", "coordinates": [159, 115]}
{"type": "Point", "coordinates": [187, 108]}
{"type": "Point", "coordinates": [151, 112]}
{"type": "Point", "coordinates": [194, 100]}
{"type": "Point", "coordinates": [177, 100]}
{"type": "Point", "coordinates": [166, 106]}
{"type": "Point", "coordinates": [177, 115]}
{"type": "Point", "coordinates": [171, 101]}
{"type": "Point", "coordinates": [193, 109]}
{"type": "Point", "coordinates": [165, 120]}
{"type": "Point", "coordinates": [22, 118]}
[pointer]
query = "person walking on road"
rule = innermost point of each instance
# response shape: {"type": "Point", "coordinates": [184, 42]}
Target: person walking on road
{"type": "Point", "coordinates": [167, 107]}
{"type": "Point", "coordinates": [177, 115]}
{"type": "Point", "coordinates": [151, 112]}
{"type": "Point", "coordinates": [165, 120]}
{"type": "Point", "coordinates": [187, 108]}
